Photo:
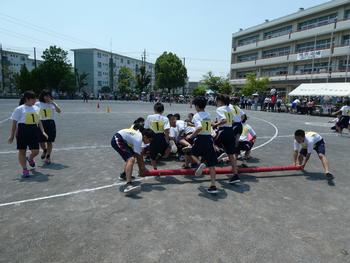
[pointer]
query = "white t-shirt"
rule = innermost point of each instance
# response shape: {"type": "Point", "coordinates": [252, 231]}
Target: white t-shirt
{"type": "Point", "coordinates": [133, 139]}
{"type": "Point", "coordinates": [158, 123]}
{"type": "Point", "coordinates": [180, 125]}
{"type": "Point", "coordinates": [311, 138]}
{"type": "Point", "coordinates": [47, 110]}
{"type": "Point", "coordinates": [345, 110]}
{"type": "Point", "coordinates": [202, 120]}
{"type": "Point", "coordinates": [173, 132]}
{"type": "Point", "coordinates": [225, 113]}
{"type": "Point", "coordinates": [26, 114]}
{"type": "Point", "coordinates": [247, 133]}
{"type": "Point", "coordinates": [237, 113]}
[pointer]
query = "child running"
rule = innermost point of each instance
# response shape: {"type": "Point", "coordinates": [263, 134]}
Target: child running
{"type": "Point", "coordinates": [226, 136]}
{"type": "Point", "coordinates": [304, 143]}
{"type": "Point", "coordinates": [159, 124]}
{"type": "Point", "coordinates": [203, 142]}
{"type": "Point", "coordinates": [25, 121]}
{"type": "Point", "coordinates": [128, 143]}
{"type": "Point", "coordinates": [47, 109]}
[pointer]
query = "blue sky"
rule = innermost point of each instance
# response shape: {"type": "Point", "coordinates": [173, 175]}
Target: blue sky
{"type": "Point", "coordinates": [198, 30]}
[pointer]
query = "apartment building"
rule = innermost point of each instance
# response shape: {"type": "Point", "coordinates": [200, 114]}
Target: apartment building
{"type": "Point", "coordinates": [311, 45]}
{"type": "Point", "coordinates": [103, 67]}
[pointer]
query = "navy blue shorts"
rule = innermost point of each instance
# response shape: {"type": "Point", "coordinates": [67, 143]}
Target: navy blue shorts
{"type": "Point", "coordinates": [319, 147]}
{"type": "Point", "coordinates": [27, 136]}
{"type": "Point", "coordinates": [226, 140]}
{"type": "Point", "coordinates": [204, 146]}
{"type": "Point", "coordinates": [50, 129]}
{"type": "Point", "coordinates": [122, 147]}
{"type": "Point", "coordinates": [245, 145]}
{"type": "Point", "coordinates": [343, 122]}
{"type": "Point", "coordinates": [158, 146]}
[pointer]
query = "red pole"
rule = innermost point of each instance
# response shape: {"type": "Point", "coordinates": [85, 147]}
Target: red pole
{"type": "Point", "coordinates": [224, 170]}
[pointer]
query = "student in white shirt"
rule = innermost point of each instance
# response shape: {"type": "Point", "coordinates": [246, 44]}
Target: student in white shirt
{"type": "Point", "coordinates": [159, 124]}
{"type": "Point", "coordinates": [47, 108]}
{"type": "Point", "coordinates": [246, 140]}
{"type": "Point", "coordinates": [304, 143]}
{"type": "Point", "coordinates": [203, 142]}
{"type": "Point", "coordinates": [25, 122]}
{"type": "Point", "coordinates": [344, 119]}
{"type": "Point", "coordinates": [128, 143]}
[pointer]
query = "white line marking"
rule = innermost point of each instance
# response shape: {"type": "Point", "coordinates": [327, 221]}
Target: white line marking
{"type": "Point", "coordinates": [65, 194]}
{"type": "Point", "coordinates": [272, 138]}
{"type": "Point", "coordinates": [291, 135]}
{"type": "Point", "coordinates": [5, 120]}
{"type": "Point", "coordinates": [68, 148]}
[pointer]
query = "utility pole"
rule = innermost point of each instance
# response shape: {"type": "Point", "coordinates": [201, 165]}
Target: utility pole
{"type": "Point", "coordinates": [2, 70]}
{"type": "Point", "coordinates": [34, 57]}
{"type": "Point", "coordinates": [183, 88]}
{"type": "Point", "coordinates": [331, 49]}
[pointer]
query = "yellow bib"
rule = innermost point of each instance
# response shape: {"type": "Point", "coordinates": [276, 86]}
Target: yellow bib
{"type": "Point", "coordinates": [32, 118]}
{"type": "Point", "coordinates": [206, 127]}
{"type": "Point", "coordinates": [229, 117]}
{"type": "Point", "coordinates": [157, 126]}
{"type": "Point", "coordinates": [46, 113]}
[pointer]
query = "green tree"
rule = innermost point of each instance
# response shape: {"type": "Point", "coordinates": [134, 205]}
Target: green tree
{"type": "Point", "coordinates": [67, 83]}
{"type": "Point", "coordinates": [143, 79]}
{"type": "Point", "coordinates": [125, 80]}
{"type": "Point", "coordinates": [225, 87]}
{"type": "Point", "coordinates": [253, 84]}
{"type": "Point", "coordinates": [56, 68]}
{"type": "Point", "coordinates": [213, 82]}
{"type": "Point", "coordinates": [105, 89]}
{"type": "Point", "coordinates": [81, 80]}
{"type": "Point", "coordinates": [23, 79]}
{"type": "Point", "coordinates": [200, 90]}
{"type": "Point", "coordinates": [170, 72]}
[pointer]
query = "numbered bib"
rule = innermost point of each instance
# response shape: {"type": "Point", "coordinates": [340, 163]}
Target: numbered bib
{"type": "Point", "coordinates": [206, 127]}
{"type": "Point", "coordinates": [235, 111]}
{"type": "Point", "coordinates": [229, 118]}
{"type": "Point", "coordinates": [32, 118]}
{"type": "Point", "coordinates": [157, 126]}
{"type": "Point", "coordinates": [46, 113]}
{"type": "Point", "coordinates": [310, 133]}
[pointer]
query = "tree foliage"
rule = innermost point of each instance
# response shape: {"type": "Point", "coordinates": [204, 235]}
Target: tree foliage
{"type": "Point", "coordinates": [200, 90]}
{"type": "Point", "coordinates": [143, 79]}
{"type": "Point", "coordinates": [253, 84]}
{"type": "Point", "coordinates": [217, 84]}
{"type": "Point", "coordinates": [170, 72]}
{"type": "Point", "coordinates": [125, 80]}
{"type": "Point", "coordinates": [81, 80]}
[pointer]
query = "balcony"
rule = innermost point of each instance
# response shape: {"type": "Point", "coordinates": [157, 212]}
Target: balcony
{"type": "Point", "coordinates": [341, 25]}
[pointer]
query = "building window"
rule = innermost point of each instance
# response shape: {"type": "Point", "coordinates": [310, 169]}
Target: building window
{"type": "Point", "coordinates": [342, 65]}
{"type": "Point", "coordinates": [248, 57]}
{"type": "Point", "coordinates": [321, 67]}
{"type": "Point", "coordinates": [347, 14]}
{"type": "Point", "coordinates": [276, 52]}
{"type": "Point", "coordinates": [99, 55]}
{"type": "Point", "coordinates": [121, 60]}
{"type": "Point", "coordinates": [99, 83]}
{"type": "Point", "coordinates": [320, 21]}
{"type": "Point", "coordinates": [278, 71]}
{"type": "Point", "coordinates": [248, 40]}
{"type": "Point", "coordinates": [310, 46]}
{"type": "Point", "coordinates": [278, 32]}
{"type": "Point", "coordinates": [99, 64]}
{"type": "Point", "coordinates": [244, 74]}
{"type": "Point", "coordinates": [128, 62]}
{"type": "Point", "coordinates": [345, 40]}
{"type": "Point", "coordinates": [99, 73]}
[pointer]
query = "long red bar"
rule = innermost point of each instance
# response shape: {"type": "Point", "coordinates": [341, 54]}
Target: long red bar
{"type": "Point", "coordinates": [224, 170]}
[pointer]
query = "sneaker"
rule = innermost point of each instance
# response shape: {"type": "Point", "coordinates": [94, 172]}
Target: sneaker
{"type": "Point", "coordinates": [43, 155]}
{"type": "Point", "coordinates": [181, 158]}
{"type": "Point", "coordinates": [212, 190]}
{"type": "Point", "coordinates": [31, 162]}
{"type": "Point", "coordinates": [329, 176]}
{"type": "Point", "coordinates": [199, 170]}
{"type": "Point", "coordinates": [122, 177]}
{"type": "Point", "coordinates": [25, 173]}
{"type": "Point", "coordinates": [234, 179]}
{"type": "Point", "coordinates": [222, 157]}
{"type": "Point", "coordinates": [129, 187]}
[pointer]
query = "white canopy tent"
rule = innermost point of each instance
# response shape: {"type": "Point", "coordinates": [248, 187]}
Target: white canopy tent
{"type": "Point", "coordinates": [322, 89]}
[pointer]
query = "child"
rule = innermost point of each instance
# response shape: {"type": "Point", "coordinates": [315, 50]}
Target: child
{"type": "Point", "coordinates": [159, 124]}
{"type": "Point", "coordinates": [246, 140]}
{"type": "Point", "coordinates": [307, 142]}
{"type": "Point", "coordinates": [344, 119]}
{"type": "Point", "coordinates": [128, 143]}
{"type": "Point", "coordinates": [203, 143]}
{"type": "Point", "coordinates": [225, 135]}
{"type": "Point", "coordinates": [47, 115]}
{"type": "Point", "coordinates": [25, 121]}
